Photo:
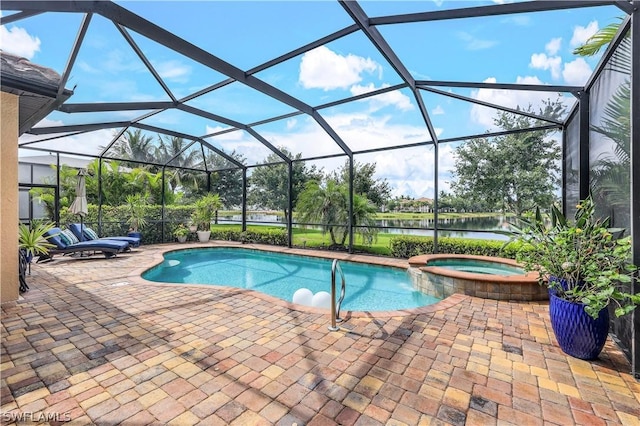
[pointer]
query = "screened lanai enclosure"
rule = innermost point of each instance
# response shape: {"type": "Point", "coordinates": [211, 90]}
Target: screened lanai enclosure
{"type": "Point", "coordinates": [343, 83]}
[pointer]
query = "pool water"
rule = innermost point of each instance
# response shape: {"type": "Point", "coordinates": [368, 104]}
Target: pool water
{"type": "Point", "coordinates": [368, 287]}
{"type": "Point", "coordinates": [476, 266]}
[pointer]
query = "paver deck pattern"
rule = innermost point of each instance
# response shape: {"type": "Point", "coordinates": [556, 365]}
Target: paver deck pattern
{"type": "Point", "coordinates": [93, 343]}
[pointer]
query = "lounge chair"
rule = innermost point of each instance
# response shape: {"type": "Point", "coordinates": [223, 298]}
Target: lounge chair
{"type": "Point", "coordinates": [89, 234]}
{"type": "Point", "coordinates": [64, 244]}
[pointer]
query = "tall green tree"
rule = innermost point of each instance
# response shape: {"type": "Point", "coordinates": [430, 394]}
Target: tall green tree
{"type": "Point", "coordinates": [514, 172]}
{"type": "Point", "coordinates": [119, 182]}
{"type": "Point", "coordinates": [327, 203]}
{"type": "Point", "coordinates": [269, 184]}
{"type": "Point", "coordinates": [115, 183]}
{"type": "Point", "coordinates": [227, 183]}
{"type": "Point", "coordinates": [377, 191]}
{"type": "Point", "coordinates": [226, 179]}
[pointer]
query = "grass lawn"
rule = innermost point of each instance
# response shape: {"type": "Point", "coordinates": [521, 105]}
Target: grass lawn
{"type": "Point", "coordinates": [392, 215]}
{"type": "Point", "coordinates": [315, 238]}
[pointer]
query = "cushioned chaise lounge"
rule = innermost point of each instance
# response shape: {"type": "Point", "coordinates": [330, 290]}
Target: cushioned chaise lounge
{"type": "Point", "coordinates": [89, 234]}
{"type": "Point", "coordinates": [59, 239]}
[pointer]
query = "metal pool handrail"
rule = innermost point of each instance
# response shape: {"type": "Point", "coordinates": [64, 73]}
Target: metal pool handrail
{"type": "Point", "coordinates": [335, 306]}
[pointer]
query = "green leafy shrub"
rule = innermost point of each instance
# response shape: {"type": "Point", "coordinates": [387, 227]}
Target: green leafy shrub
{"type": "Point", "coordinates": [581, 261]}
{"type": "Point", "coordinates": [115, 221]}
{"type": "Point", "coordinates": [271, 236]}
{"type": "Point", "coordinates": [406, 246]}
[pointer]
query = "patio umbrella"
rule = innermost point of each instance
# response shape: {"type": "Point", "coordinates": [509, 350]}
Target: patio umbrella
{"type": "Point", "coordinates": [79, 205]}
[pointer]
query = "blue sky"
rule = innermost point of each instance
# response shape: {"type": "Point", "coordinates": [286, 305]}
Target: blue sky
{"type": "Point", "coordinates": [533, 48]}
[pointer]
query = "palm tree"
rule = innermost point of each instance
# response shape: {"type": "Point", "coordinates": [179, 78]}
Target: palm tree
{"type": "Point", "coordinates": [324, 204]}
{"type": "Point", "coordinates": [174, 148]}
{"type": "Point", "coordinates": [134, 145]}
{"type": "Point", "coordinates": [327, 204]}
{"type": "Point", "coordinates": [610, 176]}
{"type": "Point", "coordinates": [364, 217]}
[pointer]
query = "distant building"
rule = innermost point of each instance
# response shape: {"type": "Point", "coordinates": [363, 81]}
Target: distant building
{"type": "Point", "coordinates": [36, 171]}
{"type": "Point", "coordinates": [420, 205]}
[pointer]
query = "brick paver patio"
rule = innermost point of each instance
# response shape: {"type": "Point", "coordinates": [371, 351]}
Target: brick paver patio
{"type": "Point", "coordinates": [93, 343]}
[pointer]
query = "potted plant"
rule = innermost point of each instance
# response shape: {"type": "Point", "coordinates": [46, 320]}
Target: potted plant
{"type": "Point", "coordinates": [135, 209]}
{"type": "Point", "coordinates": [586, 268]}
{"type": "Point", "coordinates": [205, 209]}
{"type": "Point", "coordinates": [181, 232]}
{"type": "Point", "coordinates": [32, 240]}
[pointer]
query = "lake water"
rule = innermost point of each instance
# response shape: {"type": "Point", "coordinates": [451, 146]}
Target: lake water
{"type": "Point", "coordinates": [473, 227]}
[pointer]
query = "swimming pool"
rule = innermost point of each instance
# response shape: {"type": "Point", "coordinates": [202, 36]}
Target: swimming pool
{"type": "Point", "coordinates": [368, 287]}
{"type": "Point", "coordinates": [477, 266]}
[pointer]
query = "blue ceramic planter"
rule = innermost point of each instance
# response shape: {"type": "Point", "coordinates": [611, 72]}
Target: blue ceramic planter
{"type": "Point", "coordinates": [578, 334]}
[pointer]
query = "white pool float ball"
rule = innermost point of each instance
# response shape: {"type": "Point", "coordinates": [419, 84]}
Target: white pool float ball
{"type": "Point", "coordinates": [303, 296]}
{"type": "Point", "coordinates": [321, 299]}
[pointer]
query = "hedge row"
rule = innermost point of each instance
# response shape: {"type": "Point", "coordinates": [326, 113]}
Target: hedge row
{"type": "Point", "coordinates": [275, 237]}
{"type": "Point", "coordinates": [407, 246]}
{"type": "Point", "coordinates": [114, 222]}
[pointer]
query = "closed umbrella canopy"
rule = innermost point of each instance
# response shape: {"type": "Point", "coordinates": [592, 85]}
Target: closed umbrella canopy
{"type": "Point", "coordinates": [79, 205]}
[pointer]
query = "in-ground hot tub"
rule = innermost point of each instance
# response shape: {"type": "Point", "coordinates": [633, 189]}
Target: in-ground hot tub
{"type": "Point", "coordinates": [442, 275]}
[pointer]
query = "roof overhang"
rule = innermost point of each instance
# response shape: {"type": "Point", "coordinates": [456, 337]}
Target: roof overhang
{"type": "Point", "coordinates": [37, 88]}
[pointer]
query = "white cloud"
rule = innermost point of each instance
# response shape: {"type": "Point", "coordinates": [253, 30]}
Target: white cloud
{"type": "Point", "coordinates": [437, 110]}
{"type": "Point", "coordinates": [84, 66]}
{"type": "Point", "coordinates": [363, 130]}
{"type": "Point", "coordinates": [173, 70]}
{"type": "Point", "coordinates": [47, 122]}
{"type": "Point", "coordinates": [322, 68]}
{"type": "Point", "coordinates": [519, 20]}
{"type": "Point", "coordinates": [358, 130]}
{"type": "Point", "coordinates": [86, 143]}
{"type": "Point", "coordinates": [582, 34]}
{"type": "Point", "coordinates": [419, 76]}
{"type": "Point", "coordinates": [240, 141]}
{"type": "Point", "coordinates": [122, 90]}
{"type": "Point", "coordinates": [410, 171]}
{"type": "Point", "coordinates": [291, 123]}
{"type": "Point", "coordinates": [237, 135]}
{"type": "Point", "coordinates": [377, 102]}
{"type": "Point", "coordinates": [474, 43]}
{"type": "Point", "coordinates": [576, 72]}
{"type": "Point", "coordinates": [553, 47]}
{"type": "Point", "coordinates": [509, 98]}
{"type": "Point", "coordinates": [116, 62]}
{"type": "Point", "coordinates": [19, 42]}
{"type": "Point", "coordinates": [544, 62]}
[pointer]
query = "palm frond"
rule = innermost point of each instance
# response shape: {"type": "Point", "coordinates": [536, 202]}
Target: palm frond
{"type": "Point", "coordinates": [597, 41]}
